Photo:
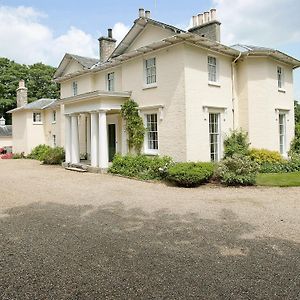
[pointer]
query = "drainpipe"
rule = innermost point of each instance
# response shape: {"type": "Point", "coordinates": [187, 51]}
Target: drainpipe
{"type": "Point", "coordinates": [233, 88]}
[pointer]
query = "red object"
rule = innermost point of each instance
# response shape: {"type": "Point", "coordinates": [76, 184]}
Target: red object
{"type": "Point", "coordinates": [6, 156]}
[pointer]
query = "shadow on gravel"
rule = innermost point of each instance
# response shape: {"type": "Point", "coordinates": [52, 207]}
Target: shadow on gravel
{"type": "Point", "coordinates": [52, 251]}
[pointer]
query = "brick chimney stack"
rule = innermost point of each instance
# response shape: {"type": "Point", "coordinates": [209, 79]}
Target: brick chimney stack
{"type": "Point", "coordinates": [21, 94]}
{"type": "Point", "coordinates": [106, 46]}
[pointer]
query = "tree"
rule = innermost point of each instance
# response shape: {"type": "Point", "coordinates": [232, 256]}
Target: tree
{"type": "Point", "coordinates": [38, 78]}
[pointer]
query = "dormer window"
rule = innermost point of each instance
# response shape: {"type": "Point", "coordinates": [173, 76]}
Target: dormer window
{"type": "Point", "coordinates": [111, 82]}
{"type": "Point", "coordinates": [75, 88]}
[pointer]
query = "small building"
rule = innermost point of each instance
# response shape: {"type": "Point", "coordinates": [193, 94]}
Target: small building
{"type": "Point", "coordinates": [34, 123]}
{"type": "Point", "coordinates": [5, 134]}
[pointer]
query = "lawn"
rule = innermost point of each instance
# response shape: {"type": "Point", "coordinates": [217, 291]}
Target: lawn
{"type": "Point", "coordinates": [281, 179]}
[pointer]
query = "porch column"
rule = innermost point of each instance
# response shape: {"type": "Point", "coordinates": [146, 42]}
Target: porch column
{"type": "Point", "coordinates": [68, 138]}
{"type": "Point", "coordinates": [94, 139]}
{"type": "Point", "coordinates": [103, 141]}
{"type": "Point", "coordinates": [88, 136]}
{"type": "Point", "coordinates": [75, 155]}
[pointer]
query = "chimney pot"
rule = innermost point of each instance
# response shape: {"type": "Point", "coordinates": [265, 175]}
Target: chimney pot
{"type": "Point", "coordinates": [206, 17]}
{"type": "Point", "coordinates": [147, 14]}
{"type": "Point", "coordinates": [200, 19]}
{"type": "Point", "coordinates": [213, 14]}
{"type": "Point", "coordinates": [141, 13]}
{"type": "Point", "coordinates": [195, 21]}
{"type": "Point", "coordinates": [110, 33]}
{"type": "Point", "coordinates": [21, 83]}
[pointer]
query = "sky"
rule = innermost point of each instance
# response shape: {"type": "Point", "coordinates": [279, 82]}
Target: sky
{"type": "Point", "coordinates": [44, 30]}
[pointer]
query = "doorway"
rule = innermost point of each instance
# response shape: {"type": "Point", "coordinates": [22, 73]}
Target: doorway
{"type": "Point", "coordinates": [111, 141]}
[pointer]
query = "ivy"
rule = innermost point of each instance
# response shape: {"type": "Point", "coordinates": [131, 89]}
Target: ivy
{"type": "Point", "coordinates": [134, 125]}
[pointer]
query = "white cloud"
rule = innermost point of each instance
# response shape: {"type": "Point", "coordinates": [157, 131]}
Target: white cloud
{"type": "Point", "coordinates": [267, 22]}
{"type": "Point", "coordinates": [26, 40]}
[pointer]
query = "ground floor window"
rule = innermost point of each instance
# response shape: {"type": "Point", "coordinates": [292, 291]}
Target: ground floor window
{"type": "Point", "coordinates": [152, 133]}
{"type": "Point", "coordinates": [282, 133]}
{"type": "Point", "coordinates": [54, 140]}
{"type": "Point", "coordinates": [214, 136]}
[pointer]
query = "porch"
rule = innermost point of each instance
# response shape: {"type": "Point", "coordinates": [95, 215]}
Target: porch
{"type": "Point", "coordinates": [94, 130]}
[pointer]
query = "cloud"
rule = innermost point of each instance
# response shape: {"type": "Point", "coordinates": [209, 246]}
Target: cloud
{"type": "Point", "coordinates": [26, 40]}
{"type": "Point", "coordinates": [267, 22]}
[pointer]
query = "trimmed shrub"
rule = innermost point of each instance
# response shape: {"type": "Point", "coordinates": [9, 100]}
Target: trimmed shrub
{"type": "Point", "coordinates": [53, 156]}
{"type": "Point", "coordinates": [38, 152]}
{"type": "Point", "coordinates": [263, 156]}
{"type": "Point", "coordinates": [190, 174]}
{"type": "Point", "coordinates": [237, 170]}
{"type": "Point", "coordinates": [286, 166]}
{"type": "Point", "coordinates": [236, 143]}
{"type": "Point", "coordinates": [140, 166]}
{"type": "Point", "coordinates": [18, 155]}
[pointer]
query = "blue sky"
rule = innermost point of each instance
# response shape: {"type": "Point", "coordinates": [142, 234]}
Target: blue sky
{"type": "Point", "coordinates": [32, 30]}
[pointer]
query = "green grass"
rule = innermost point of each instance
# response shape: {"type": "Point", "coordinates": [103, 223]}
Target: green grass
{"type": "Point", "coordinates": [280, 179]}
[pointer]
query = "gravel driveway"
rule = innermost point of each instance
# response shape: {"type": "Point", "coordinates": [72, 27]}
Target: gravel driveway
{"type": "Point", "coordinates": [67, 235]}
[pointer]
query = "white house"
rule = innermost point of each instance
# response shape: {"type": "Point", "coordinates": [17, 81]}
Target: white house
{"type": "Point", "coordinates": [191, 91]}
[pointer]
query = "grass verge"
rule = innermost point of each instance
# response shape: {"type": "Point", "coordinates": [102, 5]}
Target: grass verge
{"type": "Point", "coordinates": [280, 179]}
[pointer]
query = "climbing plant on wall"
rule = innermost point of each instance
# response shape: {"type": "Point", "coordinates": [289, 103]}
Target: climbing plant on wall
{"type": "Point", "coordinates": [134, 125]}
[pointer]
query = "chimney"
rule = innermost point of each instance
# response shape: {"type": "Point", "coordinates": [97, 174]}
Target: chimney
{"type": "Point", "coordinates": [21, 94]}
{"type": "Point", "coordinates": [2, 121]}
{"type": "Point", "coordinates": [207, 25]}
{"type": "Point", "coordinates": [106, 46]}
{"type": "Point", "coordinates": [147, 14]}
{"type": "Point", "coordinates": [141, 13]}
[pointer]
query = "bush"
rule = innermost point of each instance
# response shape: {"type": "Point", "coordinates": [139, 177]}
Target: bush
{"type": "Point", "coordinates": [53, 156]}
{"type": "Point", "coordinates": [190, 174]}
{"type": "Point", "coordinates": [295, 145]}
{"type": "Point", "coordinates": [286, 166]}
{"type": "Point", "coordinates": [237, 170]}
{"type": "Point", "coordinates": [263, 156]}
{"type": "Point", "coordinates": [38, 152]}
{"type": "Point", "coordinates": [140, 166]}
{"type": "Point", "coordinates": [18, 155]}
{"type": "Point", "coordinates": [236, 143]}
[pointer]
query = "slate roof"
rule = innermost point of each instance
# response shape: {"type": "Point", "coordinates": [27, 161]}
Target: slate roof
{"type": "Point", "coordinates": [86, 62]}
{"type": "Point", "coordinates": [247, 48]}
{"type": "Point", "coordinates": [37, 105]}
{"type": "Point", "coordinates": [6, 130]}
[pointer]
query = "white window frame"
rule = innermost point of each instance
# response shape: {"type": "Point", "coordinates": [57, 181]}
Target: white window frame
{"type": "Point", "coordinates": [147, 149]}
{"type": "Point", "coordinates": [149, 83]}
{"type": "Point", "coordinates": [282, 134]}
{"type": "Point", "coordinates": [211, 80]}
{"type": "Point", "coordinates": [36, 120]}
{"type": "Point", "coordinates": [217, 154]}
{"type": "Point", "coordinates": [54, 116]}
{"type": "Point", "coordinates": [110, 82]}
{"type": "Point", "coordinates": [280, 79]}
{"type": "Point", "coordinates": [74, 88]}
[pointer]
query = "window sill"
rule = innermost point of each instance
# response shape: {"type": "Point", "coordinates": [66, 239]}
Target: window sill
{"type": "Point", "coordinates": [150, 86]}
{"type": "Point", "coordinates": [54, 122]}
{"type": "Point", "coordinates": [37, 123]}
{"type": "Point", "coordinates": [151, 153]}
{"type": "Point", "coordinates": [281, 90]}
{"type": "Point", "coordinates": [216, 84]}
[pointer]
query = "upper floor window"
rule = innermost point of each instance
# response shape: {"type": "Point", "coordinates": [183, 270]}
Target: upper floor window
{"type": "Point", "coordinates": [37, 118]}
{"type": "Point", "coordinates": [152, 134]}
{"type": "Point", "coordinates": [280, 78]}
{"type": "Point", "coordinates": [150, 71]}
{"type": "Point", "coordinates": [212, 69]}
{"type": "Point", "coordinates": [75, 88]}
{"type": "Point", "coordinates": [111, 82]}
{"type": "Point", "coordinates": [54, 116]}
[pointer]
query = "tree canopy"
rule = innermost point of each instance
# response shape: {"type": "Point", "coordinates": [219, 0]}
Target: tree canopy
{"type": "Point", "coordinates": [38, 79]}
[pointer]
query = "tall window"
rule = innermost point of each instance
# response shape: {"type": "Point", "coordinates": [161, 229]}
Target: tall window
{"type": "Point", "coordinates": [282, 133]}
{"type": "Point", "coordinates": [280, 77]}
{"type": "Point", "coordinates": [75, 88]}
{"type": "Point", "coordinates": [152, 133]}
{"type": "Point", "coordinates": [214, 136]}
{"type": "Point", "coordinates": [37, 117]}
{"type": "Point", "coordinates": [150, 70]}
{"type": "Point", "coordinates": [54, 116]}
{"type": "Point", "coordinates": [212, 69]}
{"type": "Point", "coordinates": [111, 82]}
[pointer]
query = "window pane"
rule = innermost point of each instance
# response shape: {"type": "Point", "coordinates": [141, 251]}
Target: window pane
{"type": "Point", "coordinates": [152, 134]}
{"type": "Point", "coordinates": [214, 136]}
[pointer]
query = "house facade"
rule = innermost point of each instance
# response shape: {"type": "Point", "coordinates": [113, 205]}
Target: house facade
{"type": "Point", "coordinates": [191, 91]}
{"type": "Point", "coordinates": [34, 123]}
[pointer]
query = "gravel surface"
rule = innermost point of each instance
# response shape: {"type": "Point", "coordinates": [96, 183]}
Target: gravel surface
{"type": "Point", "coordinates": [66, 235]}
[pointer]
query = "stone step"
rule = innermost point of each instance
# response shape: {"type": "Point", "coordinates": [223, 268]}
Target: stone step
{"type": "Point", "coordinates": [76, 169]}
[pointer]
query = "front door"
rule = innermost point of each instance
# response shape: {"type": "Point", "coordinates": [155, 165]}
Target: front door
{"type": "Point", "coordinates": [111, 141]}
